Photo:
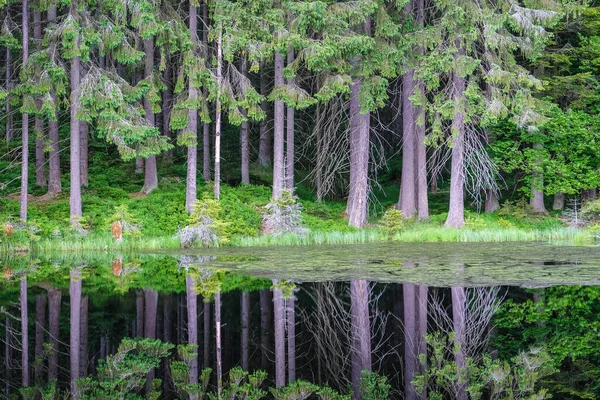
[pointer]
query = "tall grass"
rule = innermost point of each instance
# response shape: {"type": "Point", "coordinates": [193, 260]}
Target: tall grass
{"type": "Point", "coordinates": [105, 243]}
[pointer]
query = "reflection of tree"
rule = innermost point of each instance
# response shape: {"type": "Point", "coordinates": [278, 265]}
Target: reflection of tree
{"type": "Point", "coordinates": [75, 325]}
{"type": "Point", "coordinates": [361, 332]}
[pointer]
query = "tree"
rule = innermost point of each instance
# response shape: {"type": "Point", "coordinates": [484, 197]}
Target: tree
{"type": "Point", "coordinates": [25, 121]}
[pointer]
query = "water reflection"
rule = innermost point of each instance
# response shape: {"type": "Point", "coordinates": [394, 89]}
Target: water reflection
{"type": "Point", "coordinates": [326, 332]}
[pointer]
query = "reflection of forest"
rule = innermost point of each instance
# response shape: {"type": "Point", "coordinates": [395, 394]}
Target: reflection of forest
{"type": "Point", "coordinates": [59, 322]}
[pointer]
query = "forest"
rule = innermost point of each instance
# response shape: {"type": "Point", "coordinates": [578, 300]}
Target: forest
{"type": "Point", "coordinates": [304, 121]}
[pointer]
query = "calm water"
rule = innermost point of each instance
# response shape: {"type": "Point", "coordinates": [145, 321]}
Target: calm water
{"type": "Point", "coordinates": [319, 313]}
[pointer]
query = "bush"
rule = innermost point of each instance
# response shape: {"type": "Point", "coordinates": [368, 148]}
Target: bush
{"type": "Point", "coordinates": [591, 211]}
{"type": "Point", "coordinates": [204, 225]}
{"type": "Point", "coordinates": [283, 215]}
{"type": "Point", "coordinates": [392, 222]}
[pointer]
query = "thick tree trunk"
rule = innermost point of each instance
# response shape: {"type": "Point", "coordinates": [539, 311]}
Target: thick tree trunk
{"type": "Point", "coordinates": [75, 191]}
{"type": "Point", "coordinates": [167, 337]}
{"type": "Point", "coordinates": [218, 343]}
{"type": "Point", "coordinates": [205, 126]}
{"type": "Point", "coordinates": [84, 351]}
{"type": "Point", "coordinates": [361, 332]}
{"type": "Point", "coordinates": [192, 328]}
{"type": "Point", "coordinates": [291, 341]}
{"type": "Point", "coordinates": [589, 194]}
{"type": "Point", "coordinates": [264, 145]}
{"type": "Point", "coordinates": [24, 334]}
{"type": "Point", "coordinates": [279, 312]}
{"type": "Point", "coordinates": [167, 104]}
{"type": "Point", "coordinates": [150, 314]}
{"type": "Point", "coordinates": [278, 138]}
{"type": "Point", "coordinates": [408, 184]}
{"type": "Point", "coordinates": [559, 201]}
{"type": "Point", "coordinates": [217, 188]}
{"type": "Point", "coordinates": [265, 328]}
{"type": "Point", "coordinates": [25, 121]}
{"type": "Point", "coordinates": [537, 186]}
{"type": "Point", "coordinates": [459, 319]}
{"type": "Point", "coordinates": [410, 340]}
{"type": "Point", "coordinates": [492, 203]}
{"type": "Point", "coordinates": [359, 128]}
{"type": "Point", "coordinates": [456, 211]}
{"type": "Point", "coordinates": [139, 302]}
{"type": "Point", "coordinates": [75, 328]}
{"type": "Point", "coordinates": [54, 298]}
{"type": "Point", "coordinates": [206, 361]}
{"type": "Point", "coordinates": [40, 328]}
{"type": "Point", "coordinates": [289, 161]}
{"type": "Point", "coordinates": [9, 116]}
{"type": "Point", "coordinates": [150, 172]}
{"type": "Point", "coordinates": [54, 183]}
{"type": "Point", "coordinates": [245, 322]}
{"type": "Point", "coordinates": [83, 155]}
{"type": "Point", "coordinates": [192, 129]}
{"type": "Point", "coordinates": [40, 156]}
{"type": "Point", "coordinates": [244, 132]}
{"type": "Point", "coordinates": [422, 293]}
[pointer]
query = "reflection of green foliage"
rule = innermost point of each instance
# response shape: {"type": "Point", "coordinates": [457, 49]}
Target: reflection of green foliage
{"type": "Point", "coordinates": [209, 283]}
{"type": "Point", "coordinates": [129, 224]}
{"type": "Point", "coordinates": [294, 391]}
{"type": "Point", "coordinates": [242, 386]}
{"type": "Point", "coordinates": [374, 386]}
{"type": "Point", "coordinates": [286, 287]}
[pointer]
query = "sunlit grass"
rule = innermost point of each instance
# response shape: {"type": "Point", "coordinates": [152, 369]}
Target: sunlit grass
{"type": "Point", "coordinates": [105, 243]}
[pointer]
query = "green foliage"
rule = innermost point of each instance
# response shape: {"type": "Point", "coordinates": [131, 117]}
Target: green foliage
{"type": "Point", "coordinates": [591, 211]}
{"type": "Point", "coordinates": [299, 390]}
{"type": "Point", "coordinates": [282, 214]}
{"type": "Point", "coordinates": [392, 222]}
{"type": "Point", "coordinates": [128, 223]}
{"type": "Point", "coordinates": [374, 386]}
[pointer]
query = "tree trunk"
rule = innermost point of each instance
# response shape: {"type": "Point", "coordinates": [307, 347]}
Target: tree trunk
{"type": "Point", "coordinates": [40, 162]}
{"type": "Point", "coordinates": [83, 355]}
{"type": "Point", "coordinates": [54, 183]}
{"type": "Point", "coordinates": [492, 203]}
{"type": "Point", "coordinates": [192, 314]}
{"type": "Point", "coordinates": [168, 337]}
{"type": "Point", "coordinates": [361, 332]}
{"type": "Point", "coordinates": [278, 121]}
{"type": "Point", "coordinates": [537, 186]}
{"type": "Point", "coordinates": [422, 293]}
{"type": "Point", "coordinates": [420, 150]}
{"type": "Point", "coordinates": [139, 313]}
{"type": "Point", "coordinates": [459, 319]}
{"type": "Point", "coordinates": [9, 115]}
{"type": "Point", "coordinates": [245, 322]}
{"type": "Point", "coordinates": [40, 328]}
{"type": "Point", "coordinates": [264, 146]}
{"type": "Point", "coordinates": [25, 123]}
{"type": "Point", "coordinates": [408, 195]}
{"type": "Point", "coordinates": [54, 298]}
{"type": "Point", "coordinates": [289, 161]}
{"type": "Point", "coordinates": [589, 194]}
{"type": "Point", "coordinates": [167, 104]}
{"type": "Point", "coordinates": [150, 313]}
{"type": "Point", "coordinates": [24, 334]}
{"type": "Point", "coordinates": [7, 355]}
{"type": "Point", "coordinates": [456, 211]}
{"type": "Point", "coordinates": [207, 324]}
{"type": "Point", "coordinates": [217, 188]}
{"type": "Point", "coordinates": [279, 312]}
{"type": "Point", "coordinates": [265, 328]}
{"type": "Point", "coordinates": [559, 201]}
{"type": "Point", "coordinates": [75, 195]}
{"type": "Point", "coordinates": [150, 172]}
{"type": "Point", "coordinates": [359, 127]}
{"type": "Point", "coordinates": [84, 140]}
{"type": "Point", "coordinates": [410, 340]}
{"type": "Point", "coordinates": [75, 328]}
{"type": "Point", "coordinates": [244, 139]}
{"type": "Point", "coordinates": [192, 129]}
{"type": "Point", "coordinates": [291, 330]}
{"type": "Point", "coordinates": [218, 343]}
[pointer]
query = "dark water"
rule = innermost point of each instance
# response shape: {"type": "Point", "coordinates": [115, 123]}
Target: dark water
{"type": "Point", "coordinates": [411, 313]}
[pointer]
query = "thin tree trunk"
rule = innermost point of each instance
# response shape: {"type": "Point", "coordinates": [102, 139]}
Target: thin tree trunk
{"type": "Point", "coordinates": [167, 337]}
{"type": "Point", "coordinates": [217, 188]}
{"type": "Point", "coordinates": [9, 116]}
{"type": "Point", "coordinates": [40, 162]}
{"type": "Point", "coordinates": [167, 103]}
{"type": "Point", "coordinates": [218, 343]}
{"type": "Point", "coordinates": [54, 299]}
{"type": "Point", "coordinates": [420, 149]}
{"type": "Point", "coordinates": [54, 183]}
{"type": "Point", "coordinates": [24, 334]}
{"type": "Point", "coordinates": [289, 160]}
{"type": "Point", "coordinates": [206, 361]}
{"type": "Point", "coordinates": [244, 132]}
{"type": "Point", "coordinates": [150, 172]}
{"type": "Point", "coordinates": [559, 201]}
{"type": "Point", "coordinates": [192, 314]}
{"type": "Point", "coordinates": [150, 313]}
{"type": "Point", "coordinates": [25, 122]}
{"type": "Point", "coordinates": [75, 194]}
{"type": "Point", "coordinates": [83, 355]}
{"type": "Point", "coordinates": [279, 312]}
{"type": "Point", "coordinates": [492, 203]}
{"type": "Point", "coordinates": [139, 313]}
{"type": "Point", "coordinates": [245, 322]}
{"type": "Point", "coordinates": [84, 140]}
{"type": "Point", "coordinates": [537, 186]}
{"type": "Point", "coordinates": [265, 327]}
{"type": "Point", "coordinates": [75, 328]}
{"type": "Point", "coordinates": [7, 355]}
{"type": "Point", "coordinates": [278, 118]}
{"type": "Point", "coordinates": [422, 293]}
{"type": "Point", "coordinates": [40, 328]}
{"type": "Point", "coordinates": [361, 332]}
{"type": "Point", "coordinates": [264, 146]}
{"type": "Point", "coordinates": [192, 129]}
{"type": "Point", "coordinates": [410, 340]}
{"type": "Point", "coordinates": [456, 211]}
{"type": "Point", "coordinates": [459, 319]}
{"type": "Point", "coordinates": [291, 341]}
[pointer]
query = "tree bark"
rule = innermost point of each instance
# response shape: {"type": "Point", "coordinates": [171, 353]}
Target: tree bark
{"type": "Point", "coordinates": [422, 293]}
{"type": "Point", "coordinates": [279, 312]}
{"type": "Point", "coordinates": [289, 161]}
{"type": "Point", "coordinates": [192, 314]}
{"type": "Point", "coordinates": [410, 340]}
{"type": "Point", "coordinates": [589, 194]}
{"type": "Point", "coordinates": [54, 183]}
{"type": "Point", "coordinates": [245, 322]}
{"type": "Point", "coordinates": [40, 328]}
{"type": "Point", "coordinates": [420, 150]}
{"type": "Point", "coordinates": [264, 146]}
{"type": "Point", "coordinates": [7, 355]}
{"type": "Point", "coordinates": [40, 156]}
{"type": "Point", "coordinates": [278, 121]}
{"type": "Point", "coordinates": [167, 104]}
{"type": "Point", "coordinates": [218, 343]}
{"type": "Point", "coordinates": [244, 131]}
{"type": "Point", "coordinates": [492, 203]}
{"type": "Point", "coordinates": [25, 121]}
{"type": "Point", "coordinates": [459, 319]}
{"type": "Point", "coordinates": [217, 188]}
{"type": "Point", "coordinates": [291, 342]}
{"type": "Point", "coordinates": [139, 313]}
{"type": "Point", "coordinates": [84, 140]}
{"type": "Point", "coordinates": [559, 201]}
{"type": "Point", "coordinates": [150, 313]}
{"type": "Point", "coordinates": [192, 128]}
{"type": "Point", "coordinates": [408, 195]}
{"type": "Point", "coordinates": [84, 351]}
{"type": "Point", "coordinates": [9, 116]}
{"type": "Point", "coordinates": [361, 332]}
{"type": "Point", "coordinates": [75, 328]}
{"type": "Point", "coordinates": [265, 327]}
{"type": "Point", "coordinates": [54, 299]}
{"type": "Point", "coordinates": [24, 334]}
{"type": "Point", "coordinates": [75, 191]}
{"type": "Point", "coordinates": [537, 186]}
{"type": "Point", "coordinates": [207, 324]}
{"type": "Point", "coordinates": [150, 172]}
{"type": "Point", "coordinates": [456, 211]}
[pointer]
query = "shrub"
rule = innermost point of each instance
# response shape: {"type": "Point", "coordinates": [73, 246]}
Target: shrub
{"type": "Point", "coordinates": [128, 223]}
{"type": "Point", "coordinates": [518, 209]}
{"type": "Point", "coordinates": [392, 222]}
{"type": "Point", "coordinates": [283, 215]}
{"type": "Point", "coordinates": [204, 225]}
{"type": "Point", "coordinates": [591, 211]}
